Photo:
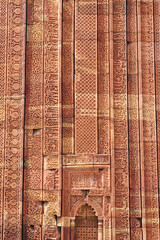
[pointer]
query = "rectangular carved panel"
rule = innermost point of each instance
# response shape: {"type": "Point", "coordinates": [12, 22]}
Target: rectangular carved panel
{"type": "Point", "coordinates": [157, 75]}
{"type": "Point", "coordinates": [14, 115]}
{"type": "Point", "coordinates": [68, 76]}
{"type": "Point", "coordinates": [86, 76]}
{"type": "Point", "coordinates": [52, 116]}
{"type": "Point", "coordinates": [103, 77]}
{"type": "Point", "coordinates": [3, 80]}
{"type": "Point", "coordinates": [148, 130]}
{"type": "Point", "coordinates": [33, 159]}
{"type": "Point", "coordinates": [52, 73]}
{"type": "Point", "coordinates": [133, 116]}
{"type": "Point", "coordinates": [122, 230]}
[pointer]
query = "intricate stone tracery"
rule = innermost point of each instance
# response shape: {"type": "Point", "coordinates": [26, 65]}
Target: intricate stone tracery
{"type": "Point", "coordinates": [79, 118]}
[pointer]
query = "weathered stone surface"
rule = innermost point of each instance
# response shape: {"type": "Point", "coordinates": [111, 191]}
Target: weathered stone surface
{"type": "Point", "coordinates": [79, 119]}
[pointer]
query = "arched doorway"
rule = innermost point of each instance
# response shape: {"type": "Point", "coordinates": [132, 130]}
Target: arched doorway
{"type": "Point", "coordinates": [86, 224]}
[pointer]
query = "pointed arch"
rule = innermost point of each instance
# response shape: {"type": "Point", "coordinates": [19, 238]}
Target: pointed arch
{"type": "Point", "coordinates": [93, 204]}
{"type": "Point", "coordinates": [86, 223]}
{"type": "Point", "coordinates": [86, 210]}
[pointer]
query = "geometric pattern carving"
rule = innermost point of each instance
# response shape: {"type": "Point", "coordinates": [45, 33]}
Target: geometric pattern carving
{"type": "Point", "coordinates": [86, 224]}
{"type": "Point", "coordinates": [12, 96]}
{"type": "Point", "coordinates": [86, 77]}
{"type": "Point", "coordinates": [79, 119]}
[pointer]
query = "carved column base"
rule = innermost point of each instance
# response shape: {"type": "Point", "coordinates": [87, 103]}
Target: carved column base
{"type": "Point", "coordinates": [100, 229]}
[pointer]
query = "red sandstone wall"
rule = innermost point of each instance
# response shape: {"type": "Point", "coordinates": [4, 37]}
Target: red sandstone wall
{"type": "Point", "coordinates": [12, 82]}
{"type": "Point", "coordinates": [42, 153]}
{"type": "Point", "coordinates": [89, 72]}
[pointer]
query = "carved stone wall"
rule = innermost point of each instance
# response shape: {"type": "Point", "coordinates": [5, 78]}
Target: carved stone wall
{"type": "Point", "coordinates": [42, 153]}
{"type": "Point", "coordinates": [79, 118]}
{"type": "Point", "coordinates": [12, 82]}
